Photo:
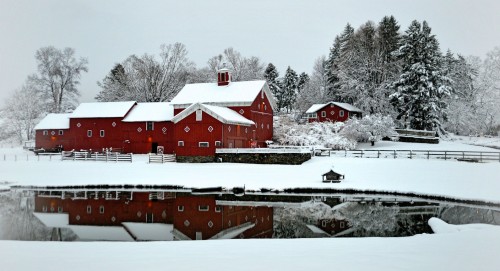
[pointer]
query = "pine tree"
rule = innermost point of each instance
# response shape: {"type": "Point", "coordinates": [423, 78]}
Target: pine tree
{"type": "Point", "coordinates": [340, 45]}
{"type": "Point", "coordinates": [289, 86]}
{"type": "Point", "coordinates": [271, 75]}
{"type": "Point", "coordinates": [421, 88]}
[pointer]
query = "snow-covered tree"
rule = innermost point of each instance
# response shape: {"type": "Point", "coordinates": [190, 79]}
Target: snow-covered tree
{"type": "Point", "coordinates": [23, 110]}
{"type": "Point", "coordinates": [58, 76]}
{"type": "Point", "coordinates": [272, 77]}
{"type": "Point", "coordinates": [147, 79]}
{"type": "Point", "coordinates": [370, 128]}
{"type": "Point", "coordinates": [420, 92]}
{"type": "Point", "coordinates": [289, 87]}
{"type": "Point", "coordinates": [242, 68]}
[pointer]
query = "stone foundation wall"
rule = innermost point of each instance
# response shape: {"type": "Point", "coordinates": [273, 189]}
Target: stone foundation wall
{"type": "Point", "coordinates": [264, 158]}
{"type": "Point", "coordinates": [195, 159]}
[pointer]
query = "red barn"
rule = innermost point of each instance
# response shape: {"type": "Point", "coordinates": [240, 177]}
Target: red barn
{"type": "Point", "coordinates": [332, 111]}
{"type": "Point", "coordinates": [201, 118]}
{"type": "Point", "coordinates": [52, 131]}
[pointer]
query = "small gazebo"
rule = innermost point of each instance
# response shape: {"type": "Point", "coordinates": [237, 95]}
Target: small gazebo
{"type": "Point", "coordinates": [332, 176]}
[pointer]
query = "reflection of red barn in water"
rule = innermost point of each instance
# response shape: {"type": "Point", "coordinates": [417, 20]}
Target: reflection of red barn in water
{"type": "Point", "coordinates": [125, 215]}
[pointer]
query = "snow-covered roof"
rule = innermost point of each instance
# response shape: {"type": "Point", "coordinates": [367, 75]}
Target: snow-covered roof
{"type": "Point", "coordinates": [348, 107]}
{"type": "Point", "coordinates": [150, 231]}
{"type": "Point", "coordinates": [234, 231]}
{"type": "Point", "coordinates": [53, 220]}
{"type": "Point", "coordinates": [54, 121]}
{"type": "Point", "coordinates": [234, 94]}
{"type": "Point", "coordinates": [315, 107]}
{"type": "Point", "coordinates": [223, 114]}
{"type": "Point", "coordinates": [101, 233]}
{"type": "Point", "coordinates": [103, 110]}
{"type": "Point", "coordinates": [150, 112]}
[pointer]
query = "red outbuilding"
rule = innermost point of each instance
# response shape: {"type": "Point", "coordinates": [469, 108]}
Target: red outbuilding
{"type": "Point", "coordinates": [332, 111]}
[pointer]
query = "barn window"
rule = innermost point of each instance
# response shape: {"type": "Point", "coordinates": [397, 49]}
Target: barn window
{"type": "Point", "coordinates": [323, 223]}
{"type": "Point", "coordinates": [218, 209]}
{"type": "Point", "coordinates": [89, 209]}
{"type": "Point", "coordinates": [89, 133]}
{"type": "Point", "coordinates": [101, 133]}
{"type": "Point", "coordinates": [59, 209]}
{"type": "Point", "coordinates": [218, 144]}
{"type": "Point", "coordinates": [342, 225]}
{"type": "Point", "coordinates": [180, 208]}
{"type": "Point", "coordinates": [203, 144]}
{"type": "Point", "coordinates": [199, 115]}
{"type": "Point", "coordinates": [323, 114]}
{"type": "Point", "coordinates": [341, 113]}
{"type": "Point", "coordinates": [101, 209]}
{"type": "Point", "coordinates": [203, 208]}
{"type": "Point", "coordinates": [150, 126]}
{"type": "Point", "coordinates": [180, 143]}
{"type": "Point", "coordinates": [44, 209]}
{"type": "Point", "coordinates": [45, 132]}
{"type": "Point", "coordinates": [61, 132]}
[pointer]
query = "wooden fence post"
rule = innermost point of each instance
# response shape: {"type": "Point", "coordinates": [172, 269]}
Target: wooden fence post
{"type": "Point", "coordinates": [378, 154]}
{"type": "Point", "coordinates": [481, 156]}
{"type": "Point", "coordinates": [411, 155]}
{"type": "Point", "coordinates": [445, 155]}
{"type": "Point", "coordinates": [394, 154]}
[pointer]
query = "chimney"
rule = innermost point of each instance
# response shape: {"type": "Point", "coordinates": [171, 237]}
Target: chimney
{"type": "Point", "coordinates": [223, 76]}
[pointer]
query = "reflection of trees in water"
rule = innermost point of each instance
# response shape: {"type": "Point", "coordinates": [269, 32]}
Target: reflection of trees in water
{"type": "Point", "coordinates": [17, 221]}
{"type": "Point", "coordinates": [290, 222]}
{"type": "Point", "coordinates": [466, 215]}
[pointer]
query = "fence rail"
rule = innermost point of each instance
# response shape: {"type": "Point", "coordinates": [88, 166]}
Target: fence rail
{"type": "Point", "coordinates": [104, 157]}
{"type": "Point", "coordinates": [161, 158]}
{"type": "Point", "coordinates": [471, 156]}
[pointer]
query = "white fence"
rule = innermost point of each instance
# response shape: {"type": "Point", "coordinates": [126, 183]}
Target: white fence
{"type": "Point", "coordinates": [161, 158]}
{"type": "Point", "coordinates": [104, 157]}
{"type": "Point", "coordinates": [472, 156]}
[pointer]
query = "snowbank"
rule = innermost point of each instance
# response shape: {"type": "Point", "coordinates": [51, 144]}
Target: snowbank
{"type": "Point", "coordinates": [464, 250]}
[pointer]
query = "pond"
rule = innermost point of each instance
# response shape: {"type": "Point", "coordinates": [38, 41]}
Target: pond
{"type": "Point", "coordinates": [131, 214]}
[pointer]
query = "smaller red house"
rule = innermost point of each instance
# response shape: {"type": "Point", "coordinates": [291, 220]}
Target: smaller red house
{"type": "Point", "coordinates": [53, 131]}
{"type": "Point", "coordinates": [333, 112]}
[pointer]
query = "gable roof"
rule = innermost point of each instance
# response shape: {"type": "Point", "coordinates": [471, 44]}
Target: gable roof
{"type": "Point", "coordinates": [222, 114]}
{"type": "Point", "coordinates": [315, 107]}
{"type": "Point", "coordinates": [103, 110]}
{"type": "Point", "coordinates": [234, 94]}
{"type": "Point", "coordinates": [150, 112]}
{"type": "Point", "coordinates": [54, 121]}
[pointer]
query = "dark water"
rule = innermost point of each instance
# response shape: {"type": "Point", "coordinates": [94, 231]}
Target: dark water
{"type": "Point", "coordinates": [148, 215]}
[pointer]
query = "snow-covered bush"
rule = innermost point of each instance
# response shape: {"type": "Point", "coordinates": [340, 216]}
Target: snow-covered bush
{"type": "Point", "coordinates": [327, 134]}
{"type": "Point", "coordinates": [369, 128]}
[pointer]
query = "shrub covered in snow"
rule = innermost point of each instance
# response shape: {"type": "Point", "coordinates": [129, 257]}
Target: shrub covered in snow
{"type": "Point", "coordinates": [369, 128]}
{"type": "Point", "coordinates": [327, 134]}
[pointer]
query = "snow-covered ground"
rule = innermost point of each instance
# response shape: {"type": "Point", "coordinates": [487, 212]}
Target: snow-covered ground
{"type": "Point", "coordinates": [465, 247]}
{"type": "Point", "coordinates": [474, 181]}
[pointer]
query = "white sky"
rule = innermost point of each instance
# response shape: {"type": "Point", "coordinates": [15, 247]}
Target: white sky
{"type": "Point", "coordinates": [284, 32]}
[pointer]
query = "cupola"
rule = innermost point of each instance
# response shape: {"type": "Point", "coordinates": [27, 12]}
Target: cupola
{"type": "Point", "coordinates": [223, 76]}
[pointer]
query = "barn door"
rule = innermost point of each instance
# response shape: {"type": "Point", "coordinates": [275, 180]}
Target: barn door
{"type": "Point", "coordinates": [198, 235]}
{"type": "Point", "coordinates": [149, 217]}
{"type": "Point", "coordinates": [154, 147]}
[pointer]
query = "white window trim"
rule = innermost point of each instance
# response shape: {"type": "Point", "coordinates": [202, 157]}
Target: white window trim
{"type": "Point", "coordinates": [218, 143]}
{"type": "Point", "coordinates": [323, 114]}
{"type": "Point", "coordinates": [89, 133]}
{"type": "Point", "coordinates": [61, 132]}
{"type": "Point", "coordinates": [102, 133]}
{"type": "Point", "coordinates": [101, 209]}
{"type": "Point", "coordinates": [89, 209]}
{"type": "Point", "coordinates": [203, 143]}
{"type": "Point", "coordinates": [180, 208]}
{"type": "Point", "coordinates": [341, 113]}
{"type": "Point", "coordinates": [218, 209]}
{"type": "Point", "coordinates": [180, 143]}
{"type": "Point", "coordinates": [152, 126]}
{"type": "Point", "coordinates": [199, 115]}
{"type": "Point", "coordinates": [203, 210]}
{"type": "Point", "coordinates": [45, 132]}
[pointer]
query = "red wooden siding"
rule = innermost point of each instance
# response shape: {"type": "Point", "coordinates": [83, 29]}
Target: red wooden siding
{"type": "Point", "coordinates": [332, 113]}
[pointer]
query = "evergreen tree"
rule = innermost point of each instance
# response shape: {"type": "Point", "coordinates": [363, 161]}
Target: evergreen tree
{"type": "Point", "coordinates": [421, 88]}
{"type": "Point", "coordinates": [271, 75]}
{"type": "Point", "coordinates": [388, 38]}
{"type": "Point", "coordinates": [341, 45]}
{"type": "Point", "coordinates": [289, 86]}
